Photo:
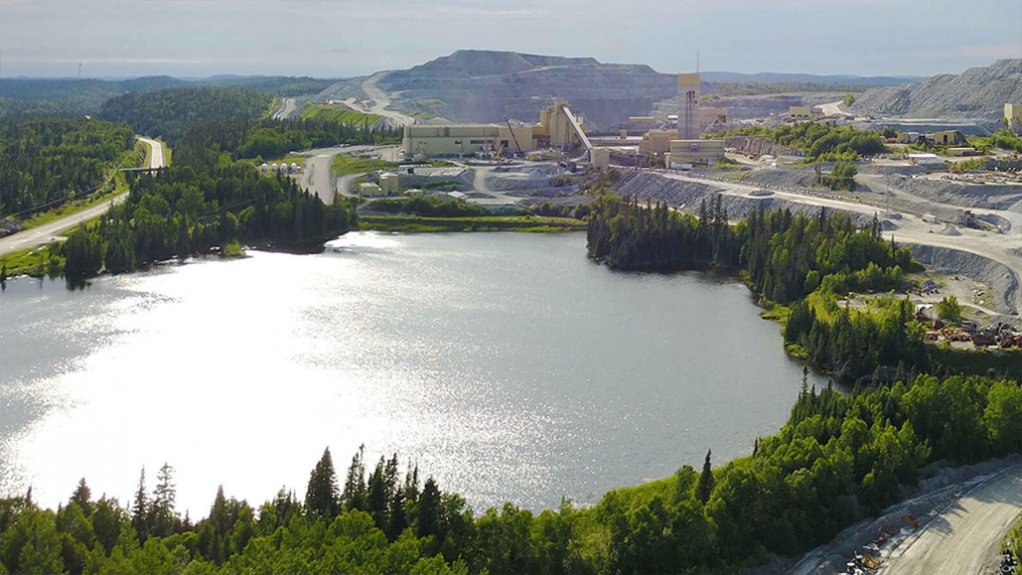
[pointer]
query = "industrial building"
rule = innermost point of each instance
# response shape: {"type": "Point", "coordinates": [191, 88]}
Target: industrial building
{"type": "Point", "coordinates": [558, 127]}
{"type": "Point", "coordinates": [1013, 116]}
{"type": "Point", "coordinates": [687, 153]}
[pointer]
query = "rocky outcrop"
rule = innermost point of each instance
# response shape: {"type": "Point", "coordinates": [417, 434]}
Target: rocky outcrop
{"type": "Point", "coordinates": [978, 93]}
{"type": "Point", "coordinates": [759, 147]}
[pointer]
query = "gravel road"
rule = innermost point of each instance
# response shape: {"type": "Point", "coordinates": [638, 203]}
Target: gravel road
{"type": "Point", "coordinates": [962, 539]}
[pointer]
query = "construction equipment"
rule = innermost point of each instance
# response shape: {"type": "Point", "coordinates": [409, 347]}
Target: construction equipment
{"type": "Point", "coordinates": [513, 136]}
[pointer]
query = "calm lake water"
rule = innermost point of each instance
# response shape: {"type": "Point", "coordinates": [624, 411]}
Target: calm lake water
{"type": "Point", "coordinates": [507, 365]}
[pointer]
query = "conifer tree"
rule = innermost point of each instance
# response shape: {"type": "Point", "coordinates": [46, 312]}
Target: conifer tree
{"type": "Point", "coordinates": [140, 510]}
{"type": "Point", "coordinates": [321, 498]}
{"type": "Point", "coordinates": [705, 485]}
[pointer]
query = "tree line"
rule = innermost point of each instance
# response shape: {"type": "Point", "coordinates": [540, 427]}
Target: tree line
{"type": "Point", "coordinates": [47, 161]}
{"type": "Point", "coordinates": [181, 211]}
{"type": "Point", "coordinates": [839, 458]}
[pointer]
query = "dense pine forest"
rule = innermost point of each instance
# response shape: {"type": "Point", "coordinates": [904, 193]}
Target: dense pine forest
{"type": "Point", "coordinates": [181, 212]}
{"type": "Point", "coordinates": [171, 112]}
{"type": "Point", "coordinates": [47, 161]}
{"type": "Point", "coordinates": [838, 458]}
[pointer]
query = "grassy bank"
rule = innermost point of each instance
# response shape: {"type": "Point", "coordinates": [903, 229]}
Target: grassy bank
{"type": "Point", "coordinates": [338, 113]}
{"type": "Point", "coordinates": [33, 262]}
{"type": "Point", "coordinates": [116, 187]}
{"type": "Point", "coordinates": [344, 164]}
{"type": "Point", "coordinates": [413, 224]}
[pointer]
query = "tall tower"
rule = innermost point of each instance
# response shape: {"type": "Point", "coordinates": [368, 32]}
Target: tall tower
{"type": "Point", "coordinates": [688, 114]}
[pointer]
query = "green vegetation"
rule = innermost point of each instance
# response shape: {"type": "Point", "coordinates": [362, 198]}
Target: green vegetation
{"type": "Point", "coordinates": [426, 206]}
{"type": "Point", "coordinates": [47, 162]}
{"type": "Point", "coordinates": [274, 138]}
{"type": "Point", "coordinates": [344, 164]}
{"type": "Point", "coordinates": [182, 211]}
{"type": "Point", "coordinates": [33, 261]}
{"type": "Point", "coordinates": [171, 112]}
{"type": "Point", "coordinates": [1004, 139]}
{"type": "Point", "coordinates": [950, 310]}
{"type": "Point", "coordinates": [1014, 539]}
{"type": "Point", "coordinates": [469, 224]}
{"type": "Point", "coordinates": [838, 458]}
{"type": "Point", "coordinates": [848, 100]}
{"type": "Point", "coordinates": [841, 177]}
{"type": "Point", "coordinates": [818, 141]}
{"type": "Point", "coordinates": [338, 114]}
{"type": "Point", "coordinates": [968, 165]}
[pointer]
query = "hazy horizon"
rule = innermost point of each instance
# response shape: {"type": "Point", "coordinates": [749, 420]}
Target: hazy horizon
{"type": "Point", "coordinates": [345, 38]}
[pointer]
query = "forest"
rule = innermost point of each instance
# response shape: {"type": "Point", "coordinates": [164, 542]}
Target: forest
{"type": "Point", "coordinates": [169, 113]}
{"type": "Point", "coordinates": [47, 161]}
{"type": "Point", "coordinates": [838, 458]}
{"type": "Point", "coordinates": [182, 211]}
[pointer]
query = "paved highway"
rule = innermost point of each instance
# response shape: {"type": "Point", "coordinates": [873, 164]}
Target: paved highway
{"type": "Point", "coordinates": [964, 537]}
{"type": "Point", "coordinates": [46, 233]}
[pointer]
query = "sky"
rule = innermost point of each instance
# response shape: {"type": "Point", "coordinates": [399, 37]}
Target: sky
{"type": "Point", "coordinates": [343, 38]}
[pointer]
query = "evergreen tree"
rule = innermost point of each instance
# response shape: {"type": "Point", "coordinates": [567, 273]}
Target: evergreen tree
{"type": "Point", "coordinates": [164, 518]}
{"type": "Point", "coordinates": [140, 510]}
{"type": "Point", "coordinates": [354, 494]}
{"type": "Point", "coordinates": [427, 519]}
{"type": "Point", "coordinates": [83, 497]}
{"type": "Point", "coordinates": [705, 485]}
{"type": "Point", "coordinates": [321, 498]}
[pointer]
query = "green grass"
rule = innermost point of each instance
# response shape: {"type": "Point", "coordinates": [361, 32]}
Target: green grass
{"type": "Point", "coordinates": [33, 261]}
{"type": "Point", "coordinates": [119, 186]}
{"type": "Point", "coordinates": [413, 224]}
{"type": "Point", "coordinates": [338, 113]}
{"type": "Point", "coordinates": [344, 164]}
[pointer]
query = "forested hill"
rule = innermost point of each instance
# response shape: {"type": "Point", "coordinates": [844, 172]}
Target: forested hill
{"type": "Point", "coordinates": [77, 97]}
{"type": "Point", "coordinates": [169, 113]}
{"type": "Point", "coordinates": [46, 161]}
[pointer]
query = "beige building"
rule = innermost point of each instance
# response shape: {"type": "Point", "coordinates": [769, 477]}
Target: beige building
{"type": "Point", "coordinates": [370, 190]}
{"type": "Point", "coordinates": [556, 128]}
{"type": "Point", "coordinates": [946, 138]}
{"type": "Point", "coordinates": [1013, 115]}
{"type": "Point", "coordinates": [389, 183]}
{"type": "Point", "coordinates": [694, 152]}
{"type": "Point", "coordinates": [657, 141]}
{"type": "Point", "coordinates": [601, 158]}
{"type": "Point", "coordinates": [713, 115]}
{"type": "Point", "coordinates": [799, 113]}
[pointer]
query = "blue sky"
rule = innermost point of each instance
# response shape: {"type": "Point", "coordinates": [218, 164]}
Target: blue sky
{"type": "Point", "coordinates": [338, 38]}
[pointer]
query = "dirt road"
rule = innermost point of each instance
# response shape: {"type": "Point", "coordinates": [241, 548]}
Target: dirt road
{"type": "Point", "coordinates": [378, 101]}
{"type": "Point", "coordinates": [46, 233]}
{"type": "Point", "coordinates": [318, 175]}
{"type": "Point", "coordinates": [1003, 248]}
{"type": "Point", "coordinates": [963, 537]}
{"type": "Point", "coordinates": [288, 107]}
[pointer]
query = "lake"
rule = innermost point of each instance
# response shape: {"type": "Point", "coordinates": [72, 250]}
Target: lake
{"type": "Point", "coordinates": [508, 366]}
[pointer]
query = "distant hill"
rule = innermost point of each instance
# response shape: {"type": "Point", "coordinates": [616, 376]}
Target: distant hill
{"type": "Point", "coordinates": [784, 78]}
{"type": "Point", "coordinates": [78, 96]}
{"type": "Point", "coordinates": [486, 86]}
{"type": "Point", "coordinates": [977, 93]}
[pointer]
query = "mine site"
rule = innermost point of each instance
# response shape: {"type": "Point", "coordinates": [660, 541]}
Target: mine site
{"type": "Point", "coordinates": [933, 178]}
{"type": "Point", "coordinates": [476, 288]}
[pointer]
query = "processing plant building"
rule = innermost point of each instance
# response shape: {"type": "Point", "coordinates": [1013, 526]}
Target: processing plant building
{"type": "Point", "coordinates": [558, 127]}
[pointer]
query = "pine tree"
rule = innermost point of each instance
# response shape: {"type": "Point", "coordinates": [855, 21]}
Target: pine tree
{"type": "Point", "coordinates": [427, 520]}
{"type": "Point", "coordinates": [354, 494]}
{"type": "Point", "coordinates": [164, 517]}
{"type": "Point", "coordinates": [321, 498]}
{"type": "Point", "coordinates": [83, 497]}
{"type": "Point", "coordinates": [705, 485]}
{"type": "Point", "coordinates": [140, 510]}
